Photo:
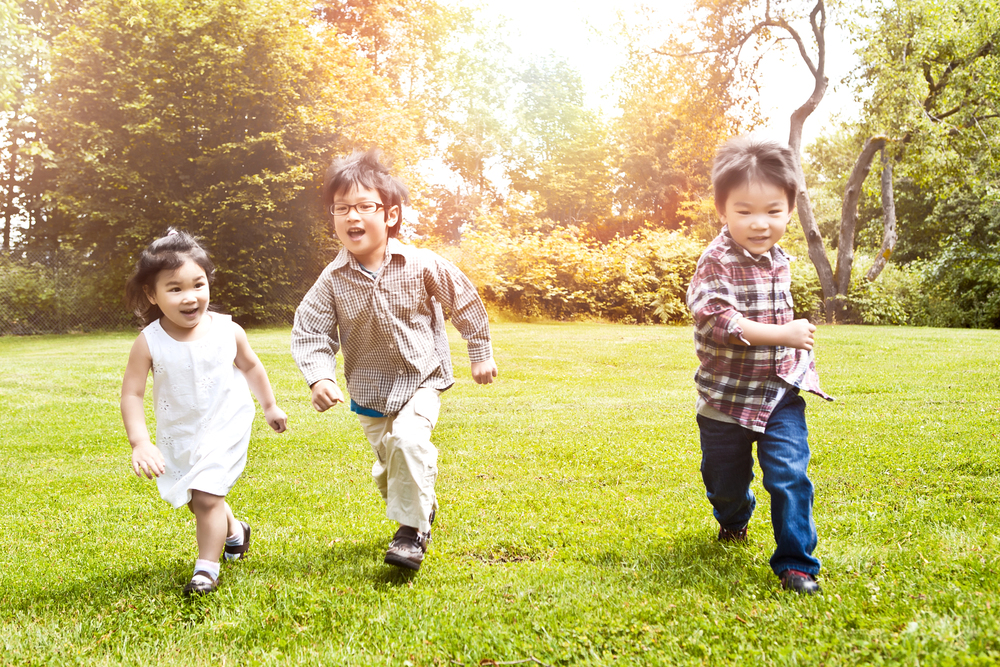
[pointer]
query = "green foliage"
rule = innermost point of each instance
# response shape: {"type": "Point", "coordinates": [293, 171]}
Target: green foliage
{"type": "Point", "coordinates": [558, 272]}
{"type": "Point", "coordinates": [932, 71]}
{"type": "Point", "coordinates": [673, 118]}
{"type": "Point", "coordinates": [895, 298]}
{"type": "Point", "coordinates": [562, 155]}
{"type": "Point", "coordinates": [573, 526]}
{"type": "Point", "coordinates": [215, 117]}
{"type": "Point", "coordinates": [60, 293]}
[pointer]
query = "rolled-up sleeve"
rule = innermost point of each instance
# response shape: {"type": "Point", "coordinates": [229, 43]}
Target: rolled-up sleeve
{"type": "Point", "coordinates": [713, 303]}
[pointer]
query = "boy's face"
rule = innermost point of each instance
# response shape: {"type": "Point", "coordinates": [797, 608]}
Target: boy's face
{"type": "Point", "coordinates": [365, 235]}
{"type": "Point", "coordinates": [757, 215]}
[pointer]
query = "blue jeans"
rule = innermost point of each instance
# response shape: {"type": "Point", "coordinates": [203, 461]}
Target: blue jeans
{"type": "Point", "coordinates": [783, 453]}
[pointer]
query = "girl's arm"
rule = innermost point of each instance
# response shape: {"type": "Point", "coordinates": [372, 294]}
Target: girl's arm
{"type": "Point", "coordinates": [248, 362]}
{"type": "Point", "coordinates": [146, 457]}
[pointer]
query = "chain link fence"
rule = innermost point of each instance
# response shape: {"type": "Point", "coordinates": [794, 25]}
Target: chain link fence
{"type": "Point", "coordinates": [60, 293]}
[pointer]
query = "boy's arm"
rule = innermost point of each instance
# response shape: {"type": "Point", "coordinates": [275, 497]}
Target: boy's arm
{"type": "Point", "coordinates": [253, 370]}
{"type": "Point", "coordinates": [453, 289]}
{"type": "Point", "coordinates": [146, 457]}
{"type": "Point", "coordinates": [315, 343]}
{"type": "Point", "coordinates": [715, 308]}
{"type": "Point", "coordinates": [797, 334]}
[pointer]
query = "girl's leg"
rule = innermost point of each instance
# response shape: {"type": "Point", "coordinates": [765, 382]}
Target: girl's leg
{"type": "Point", "coordinates": [233, 525]}
{"type": "Point", "coordinates": [212, 524]}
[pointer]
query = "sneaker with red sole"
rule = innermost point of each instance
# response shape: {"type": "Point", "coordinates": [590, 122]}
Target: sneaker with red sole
{"type": "Point", "coordinates": [800, 582]}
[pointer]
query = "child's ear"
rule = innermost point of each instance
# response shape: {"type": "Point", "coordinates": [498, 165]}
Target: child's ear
{"type": "Point", "coordinates": [392, 216]}
{"type": "Point", "coordinates": [149, 295]}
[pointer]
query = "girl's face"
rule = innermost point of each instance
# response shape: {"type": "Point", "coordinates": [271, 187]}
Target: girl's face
{"type": "Point", "coordinates": [182, 295]}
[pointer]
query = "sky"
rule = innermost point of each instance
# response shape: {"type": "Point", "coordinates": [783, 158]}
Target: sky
{"type": "Point", "coordinates": [582, 32]}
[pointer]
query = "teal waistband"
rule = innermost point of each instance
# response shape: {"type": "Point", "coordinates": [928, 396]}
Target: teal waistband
{"type": "Point", "coordinates": [367, 412]}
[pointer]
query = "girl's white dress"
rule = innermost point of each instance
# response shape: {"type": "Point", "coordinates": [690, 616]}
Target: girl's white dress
{"type": "Point", "coordinates": [204, 410]}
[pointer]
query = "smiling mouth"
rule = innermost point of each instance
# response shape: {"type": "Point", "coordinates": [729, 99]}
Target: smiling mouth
{"type": "Point", "coordinates": [355, 233]}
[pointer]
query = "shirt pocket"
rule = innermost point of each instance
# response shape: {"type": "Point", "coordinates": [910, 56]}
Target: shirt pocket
{"type": "Point", "coordinates": [404, 300]}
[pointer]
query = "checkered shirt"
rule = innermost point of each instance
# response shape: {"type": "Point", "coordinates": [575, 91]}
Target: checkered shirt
{"type": "Point", "coordinates": [744, 382]}
{"type": "Point", "coordinates": [390, 325]}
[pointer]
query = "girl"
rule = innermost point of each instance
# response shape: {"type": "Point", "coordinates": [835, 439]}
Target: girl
{"type": "Point", "coordinates": [202, 365]}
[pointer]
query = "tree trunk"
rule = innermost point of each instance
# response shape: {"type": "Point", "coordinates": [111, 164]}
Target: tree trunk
{"type": "Point", "coordinates": [849, 215]}
{"type": "Point", "coordinates": [817, 249]}
{"type": "Point", "coordinates": [8, 184]}
{"type": "Point", "coordinates": [888, 220]}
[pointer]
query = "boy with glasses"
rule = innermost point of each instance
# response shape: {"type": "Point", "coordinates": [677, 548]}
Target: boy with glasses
{"type": "Point", "coordinates": [381, 302]}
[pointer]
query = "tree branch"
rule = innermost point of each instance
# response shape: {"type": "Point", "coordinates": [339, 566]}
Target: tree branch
{"type": "Point", "coordinates": [888, 220]}
{"type": "Point", "coordinates": [849, 211]}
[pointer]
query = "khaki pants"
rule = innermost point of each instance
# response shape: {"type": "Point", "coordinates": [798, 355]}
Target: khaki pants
{"type": "Point", "coordinates": [406, 462]}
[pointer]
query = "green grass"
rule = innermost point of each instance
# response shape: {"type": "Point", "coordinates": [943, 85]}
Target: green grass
{"type": "Point", "coordinates": [573, 524]}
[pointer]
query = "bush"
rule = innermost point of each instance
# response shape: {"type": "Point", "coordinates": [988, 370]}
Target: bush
{"type": "Point", "coordinates": [56, 294]}
{"type": "Point", "coordinates": [559, 273]}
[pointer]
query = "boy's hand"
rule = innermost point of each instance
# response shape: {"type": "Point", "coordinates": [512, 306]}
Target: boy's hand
{"type": "Point", "coordinates": [799, 334]}
{"type": "Point", "coordinates": [276, 419]}
{"type": "Point", "coordinates": [147, 460]}
{"type": "Point", "coordinates": [325, 395]}
{"type": "Point", "coordinates": [483, 372]}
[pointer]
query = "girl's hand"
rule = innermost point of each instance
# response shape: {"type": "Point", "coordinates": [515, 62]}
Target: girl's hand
{"type": "Point", "coordinates": [276, 419]}
{"type": "Point", "coordinates": [325, 395]}
{"type": "Point", "coordinates": [147, 459]}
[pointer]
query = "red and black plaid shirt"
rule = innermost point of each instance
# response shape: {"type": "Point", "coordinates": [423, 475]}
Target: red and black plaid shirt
{"type": "Point", "coordinates": [744, 382]}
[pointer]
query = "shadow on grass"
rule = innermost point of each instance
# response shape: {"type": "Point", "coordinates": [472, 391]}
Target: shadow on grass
{"type": "Point", "coordinates": [698, 562]}
{"type": "Point", "coordinates": [355, 564]}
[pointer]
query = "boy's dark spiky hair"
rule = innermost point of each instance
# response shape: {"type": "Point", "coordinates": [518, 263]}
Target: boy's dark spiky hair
{"type": "Point", "coordinates": [747, 159]}
{"type": "Point", "coordinates": [365, 169]}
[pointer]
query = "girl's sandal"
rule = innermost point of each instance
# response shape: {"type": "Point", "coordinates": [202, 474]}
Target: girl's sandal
{"type": "Point", "coordinates": [240, 550]}
{"type": "Point", "coordinates": [202, 582]}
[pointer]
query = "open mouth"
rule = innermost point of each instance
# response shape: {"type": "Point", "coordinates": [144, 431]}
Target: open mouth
{"type": "Point", "coordinates": [355, 233]}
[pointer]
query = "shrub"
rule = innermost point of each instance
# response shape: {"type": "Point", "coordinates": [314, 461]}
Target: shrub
{"type": "Point", "coordinates": [560, 273]}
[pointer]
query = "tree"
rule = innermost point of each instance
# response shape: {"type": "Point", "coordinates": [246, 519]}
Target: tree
{"type": "Point", "coordinates": [561, 154]}
{"type": "Point", "coordinates": [215, 116]}
{"type": "Point", "coordinates": [674, 113]}
{"type": "Point", "coordinates": [26, 32]}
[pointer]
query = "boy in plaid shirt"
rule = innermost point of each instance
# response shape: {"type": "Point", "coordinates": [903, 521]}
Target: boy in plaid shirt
{"type": "Point", "coordinates": [381, 302]}
{"type": "Point", "coordinates": [755, 358]}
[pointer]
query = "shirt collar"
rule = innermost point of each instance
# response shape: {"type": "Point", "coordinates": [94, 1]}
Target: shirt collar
{"type": "Point", "coordinates": [776, 256]}
{"type": "Point", "coordinates": [392, 247]}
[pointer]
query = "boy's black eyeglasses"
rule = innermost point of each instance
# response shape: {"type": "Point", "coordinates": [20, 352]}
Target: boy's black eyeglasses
{"type": "Point", "coordinates": [363, 207]}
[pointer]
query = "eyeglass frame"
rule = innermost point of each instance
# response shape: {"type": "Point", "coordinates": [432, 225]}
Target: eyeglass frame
{"type": "Point", "coordinates": [378, 205]}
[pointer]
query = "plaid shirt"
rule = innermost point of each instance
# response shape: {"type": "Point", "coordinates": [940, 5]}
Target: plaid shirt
{"type": "Point", "coordinates": [390, 325]}
{"type": "Point", "coordinates": [744, 382]}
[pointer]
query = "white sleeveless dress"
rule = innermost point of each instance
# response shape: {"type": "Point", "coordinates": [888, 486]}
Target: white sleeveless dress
{"type": "Point", "coordinates": [204, 410]}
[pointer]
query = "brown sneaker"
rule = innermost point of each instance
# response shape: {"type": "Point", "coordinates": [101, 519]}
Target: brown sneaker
{"type": "Point", "coordinates": [407, 548]}
{"type": "Point", "coordinates": [202, 582]}
{"type": "Point", "coordinates": [737, 535]}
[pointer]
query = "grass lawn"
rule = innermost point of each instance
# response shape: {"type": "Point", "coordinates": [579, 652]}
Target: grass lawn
{"type": "Point", "coordinates": [573, 526]}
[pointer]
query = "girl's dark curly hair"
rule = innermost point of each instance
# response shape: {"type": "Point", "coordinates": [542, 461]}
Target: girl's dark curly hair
{"type": "Point", "coordinates": [164, 254]}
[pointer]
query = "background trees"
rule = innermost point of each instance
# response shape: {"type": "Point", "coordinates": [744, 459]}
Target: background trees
{"type": "Point", "coordinates": [118, 119]}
